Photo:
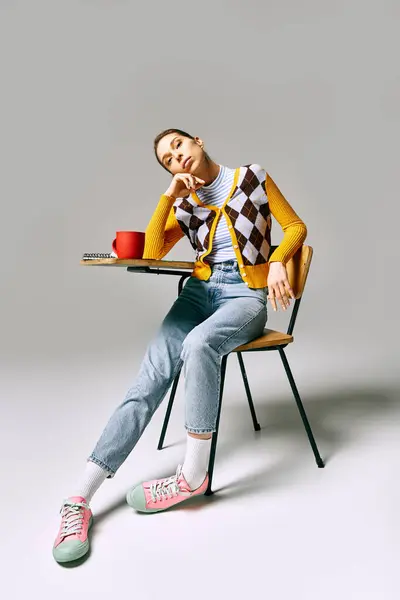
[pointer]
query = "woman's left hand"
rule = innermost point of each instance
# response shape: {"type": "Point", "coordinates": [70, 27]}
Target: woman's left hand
{"type": "Point", "coordinates": [279, 286]}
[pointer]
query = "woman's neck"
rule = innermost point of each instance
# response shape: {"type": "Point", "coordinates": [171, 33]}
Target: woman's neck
{"type": "Point", "coordinates": [209, 172]}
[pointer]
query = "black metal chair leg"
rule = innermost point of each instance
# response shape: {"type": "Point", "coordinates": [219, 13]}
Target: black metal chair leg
{"type": "Point", "coordinates": [175, 384]}
{"type": "Point", "coordinates": [303, 415]}
{"type": "Point", "coordinates": [256, 424]}
{"type": "Point", "coordinates": [168, 413]}
{"type": "Point", "coordinates": [180, 283]}
{"type": "Point", "coordinates": [215, 434]}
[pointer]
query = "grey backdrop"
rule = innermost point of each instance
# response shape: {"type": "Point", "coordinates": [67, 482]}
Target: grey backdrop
{"type": "Point", "coordinates": [309, 89]}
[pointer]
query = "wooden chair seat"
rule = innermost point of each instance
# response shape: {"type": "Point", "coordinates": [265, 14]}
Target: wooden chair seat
{"type": "Point", "coordinates": [269, 338]}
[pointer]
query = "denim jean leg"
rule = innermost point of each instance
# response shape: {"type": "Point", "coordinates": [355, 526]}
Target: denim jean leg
{"type": "Point", "coordinates": [156, 374]}
{"type": "Point", "coordinates": [235, 322]}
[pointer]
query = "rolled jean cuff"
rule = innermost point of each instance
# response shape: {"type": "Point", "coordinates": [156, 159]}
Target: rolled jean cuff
{"type": "Point", "coordinates": [98, 462]}
{"type": "Point", "coordinates": [191, 430]}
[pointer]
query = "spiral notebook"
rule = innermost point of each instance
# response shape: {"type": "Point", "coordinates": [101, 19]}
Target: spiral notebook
{"type": "Point", "coordinates": [98, 255]}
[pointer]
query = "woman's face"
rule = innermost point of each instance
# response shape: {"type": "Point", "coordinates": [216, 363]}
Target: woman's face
{"type": "Point", "coordinates": [180, 154]}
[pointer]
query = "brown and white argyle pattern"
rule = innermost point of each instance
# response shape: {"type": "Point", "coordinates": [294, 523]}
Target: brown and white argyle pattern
{"type": "Point", "coordinates": [247, 209]}
{"type": "Point", "coordinates": [195, 222]}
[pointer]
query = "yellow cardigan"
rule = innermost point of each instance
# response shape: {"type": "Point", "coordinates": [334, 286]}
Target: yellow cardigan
{"type": "Point", "coordinates": [164, 231]}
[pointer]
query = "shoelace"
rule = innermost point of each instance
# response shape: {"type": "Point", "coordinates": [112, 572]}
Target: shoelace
{"type": "Point", "coordinates": [166, 488]}
{"type": "Point", "coordinates": [72, 517]}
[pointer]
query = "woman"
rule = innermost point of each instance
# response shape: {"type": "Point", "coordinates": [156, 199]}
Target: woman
{"type": "Point", "coordinates": [226, 214]}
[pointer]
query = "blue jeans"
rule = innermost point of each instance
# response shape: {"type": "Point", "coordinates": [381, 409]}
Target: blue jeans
{"type": "Point", "coordinates": [208, 320]}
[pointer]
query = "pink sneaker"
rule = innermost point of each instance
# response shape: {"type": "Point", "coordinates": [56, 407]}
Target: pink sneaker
{"type": "Point", "coordinates": [161, 494]}
{"type": "Point", "coordinates": [72, 540]}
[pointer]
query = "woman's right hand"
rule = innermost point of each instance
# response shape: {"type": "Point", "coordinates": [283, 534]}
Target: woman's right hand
{"type": "Point", "coordinates": [183, 184]}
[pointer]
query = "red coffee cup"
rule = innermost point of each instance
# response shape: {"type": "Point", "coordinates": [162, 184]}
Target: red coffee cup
{"type": "Point", "coordinates": [129, 244]}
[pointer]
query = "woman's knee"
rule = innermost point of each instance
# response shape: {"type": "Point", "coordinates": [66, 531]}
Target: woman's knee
{"type": "Point", "coordinates": [194, 344]}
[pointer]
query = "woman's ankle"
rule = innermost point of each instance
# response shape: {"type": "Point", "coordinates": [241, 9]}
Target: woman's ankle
{"type": "Point", "coordinates": [200, 436]}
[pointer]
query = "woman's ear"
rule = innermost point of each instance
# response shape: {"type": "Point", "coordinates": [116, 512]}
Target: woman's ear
{"type": "Point", "coordinates": [199, 142]}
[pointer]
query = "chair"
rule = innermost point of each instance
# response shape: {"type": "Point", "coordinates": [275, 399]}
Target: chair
{"type": "Point", "coordinates": [297, 269]}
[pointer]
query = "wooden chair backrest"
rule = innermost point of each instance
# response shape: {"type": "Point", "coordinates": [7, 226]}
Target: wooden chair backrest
{"type": "Point", "coordinates": [297, 269]}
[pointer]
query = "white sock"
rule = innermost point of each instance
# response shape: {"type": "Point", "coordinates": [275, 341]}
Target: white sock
{"type": "Point", "coordinates": [92, 478]}
{"type": "Point", "coordinates": [196, 461]}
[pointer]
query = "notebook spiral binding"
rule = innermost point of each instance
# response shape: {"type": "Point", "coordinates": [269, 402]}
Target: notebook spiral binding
{"type": "Point", "coordinates": [98, 255]}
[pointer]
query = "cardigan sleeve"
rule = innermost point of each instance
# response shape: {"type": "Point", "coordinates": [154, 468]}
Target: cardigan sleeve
{"type": "Point", "coordinates": [163, 231]}
{"type": "Point", "coordinates": [294, 230]}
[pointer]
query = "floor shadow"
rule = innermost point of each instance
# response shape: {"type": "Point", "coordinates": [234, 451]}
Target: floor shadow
{"type": "Point", "coordinates": [336, 417]}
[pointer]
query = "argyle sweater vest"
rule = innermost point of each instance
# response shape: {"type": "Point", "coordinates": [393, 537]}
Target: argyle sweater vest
{"type": "Point", "coordinates": [249, 221]}
{"type": "Point", "coordinates": [253, 199]}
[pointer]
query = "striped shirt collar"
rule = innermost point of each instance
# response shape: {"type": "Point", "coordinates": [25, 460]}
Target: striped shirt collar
{"type": "Point", "coordinates": [211, 187]}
